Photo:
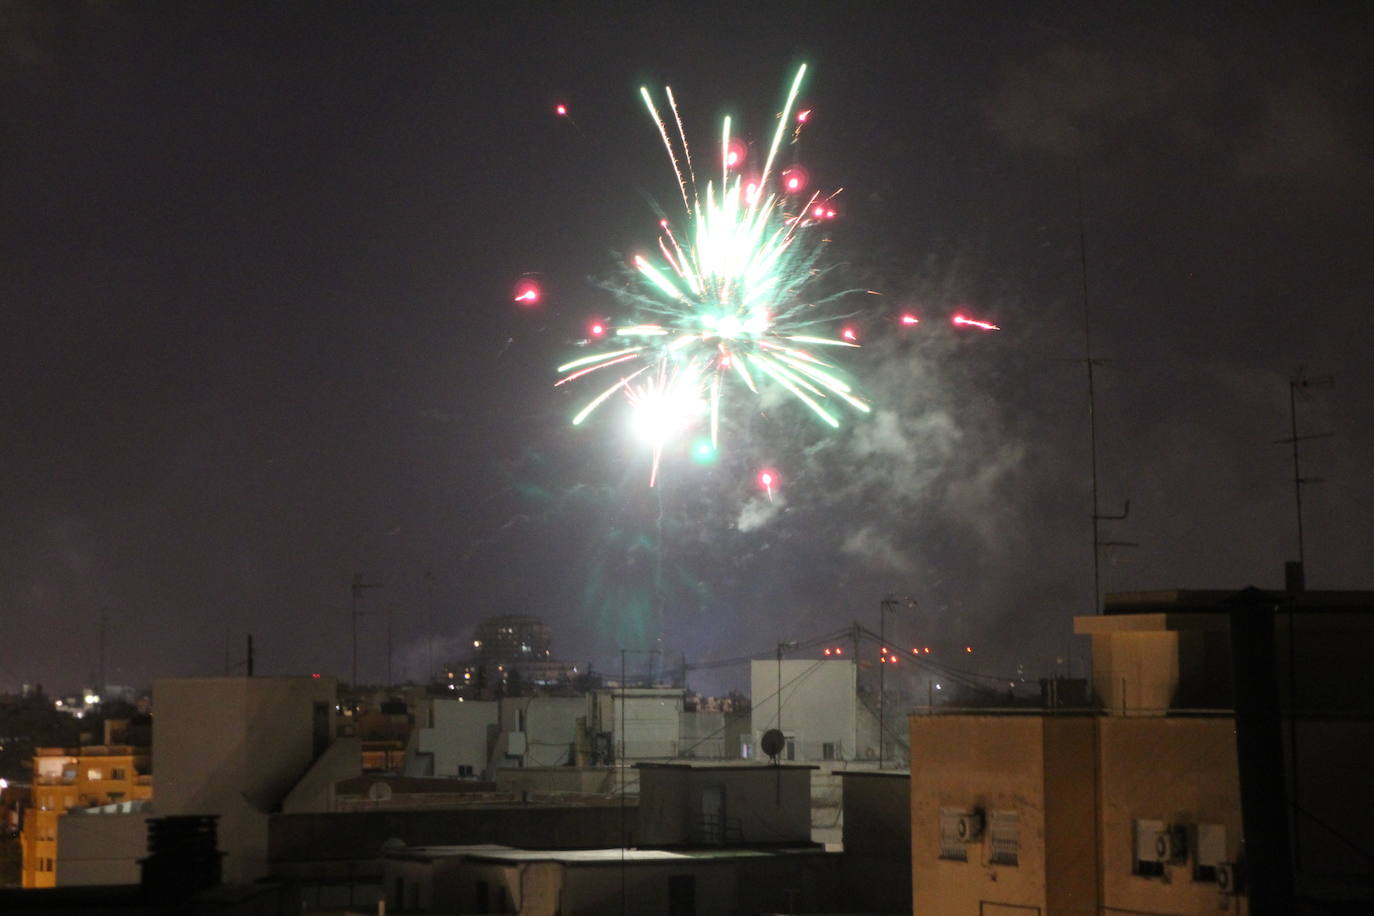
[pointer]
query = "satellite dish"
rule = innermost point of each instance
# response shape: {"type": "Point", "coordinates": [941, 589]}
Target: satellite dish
{"type": "Point", "coordinates": [379, 791]}
{"type": "Point", "coordinates": [772, 743]}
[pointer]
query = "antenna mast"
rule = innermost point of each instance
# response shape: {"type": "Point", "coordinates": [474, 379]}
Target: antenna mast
{"type": "Point", "coordinates": [1300, 382]}
{"type": "Point", "coordinates": [1091, 364]}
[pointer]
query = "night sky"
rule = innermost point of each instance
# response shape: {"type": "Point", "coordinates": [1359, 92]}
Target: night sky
{"type": "Point", "coordinates": [257, 336]}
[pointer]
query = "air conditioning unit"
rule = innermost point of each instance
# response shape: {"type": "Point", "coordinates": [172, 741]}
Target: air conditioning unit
{"type": "Point", "coordinates": [1230, 878]}
{"type": "Point", "coordinates": [969, 826]}
{"type": "Point", "coordinates": [1171, 844]}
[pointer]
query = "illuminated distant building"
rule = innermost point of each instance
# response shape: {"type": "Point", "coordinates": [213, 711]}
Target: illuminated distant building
{"type": "Point", "coordinates": [512, 645]}
{"type": "Point", "coordinates": [81, 777]}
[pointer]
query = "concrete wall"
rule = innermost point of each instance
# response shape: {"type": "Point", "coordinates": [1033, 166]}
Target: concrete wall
{"type": "Point", "coordinates": [532, 781]}
{"type": "Point", "coordinates": [235, 746]}
{"type": "Point", "coordinates": [360, 835]}
{"type": "Point", "coordinates": [101, 848]}
{"type": "Point", "coordinates": [971, 763]}
{"type": "Point", "coordinates": [551, 729]}
{"type": "Point", "coordinates": [315, 790]}
{"type": "Point", "coordinates": [458, 735]}
{"type": "Point", "coordinates": [759, 805]}
{"type": "Point", "coordinates": [735, 884]}
{"type": "Point", "coordinates": [1136, 672]}
{"type": "Point", "coordinates": [701, 735]}
{"type": "Point", "coordinates": [1176, 770]}
{"type": "Point", "coordinates": [649, 727]}
{"type": "Point", "coordinates": [877, 840]}
{"type": "Point", "coordinates": [1071, 816]}
{"type": "Point", "coordinates": [597, 889]}
{"type": "Point", "coordinates": [817, 706]}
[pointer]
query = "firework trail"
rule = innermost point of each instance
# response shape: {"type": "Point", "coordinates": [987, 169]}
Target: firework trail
{"type": "Point", "coordinates": [724, 304]}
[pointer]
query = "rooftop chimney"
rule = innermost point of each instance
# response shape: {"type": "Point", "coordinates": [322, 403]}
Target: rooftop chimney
{"type": "Point", "coordinates": [182, 859]}
{"type": "Point", "coordinates": [1293, 578]}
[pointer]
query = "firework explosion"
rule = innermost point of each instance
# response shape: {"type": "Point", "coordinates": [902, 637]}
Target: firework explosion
{"type": "Point", "coordinates": [724, 305]}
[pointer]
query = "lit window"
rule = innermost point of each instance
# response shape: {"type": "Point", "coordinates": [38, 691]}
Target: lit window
{"type": "Point", "coordinates": [95, 775]}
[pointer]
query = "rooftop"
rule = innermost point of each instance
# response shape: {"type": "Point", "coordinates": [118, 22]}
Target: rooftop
{"type": "Point", "coordinates": [614, 855]}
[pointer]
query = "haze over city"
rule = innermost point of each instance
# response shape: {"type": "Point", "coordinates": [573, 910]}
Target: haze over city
{"type": "Point", "coordinates": [259, 335]}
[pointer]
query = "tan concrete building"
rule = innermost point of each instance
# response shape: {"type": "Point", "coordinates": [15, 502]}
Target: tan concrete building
{"type": "Point", "coordinates": [242, 748]}
{"type": "Point", "coordinates": [1136, 806]}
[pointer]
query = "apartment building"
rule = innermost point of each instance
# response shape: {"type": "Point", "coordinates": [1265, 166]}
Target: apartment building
{"type": "Point", "coordinates": [80, 777]}
{"type": "Point", "coordinates": [1147, 804]}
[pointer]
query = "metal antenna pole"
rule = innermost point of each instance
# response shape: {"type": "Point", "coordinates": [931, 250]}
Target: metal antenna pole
{"type": "Point", "coordinates": [100, 688]}
{"type": "Point", "coordinates": [359, 586]}
{"type": "Point", "coordinates": [1301, 382]}
{"type": "Point", "coordinates": [882, 681]}
{"type": "Point", "coordinates": [1091, 365]}
{"type": "Point", "coordinates": [429, 601]}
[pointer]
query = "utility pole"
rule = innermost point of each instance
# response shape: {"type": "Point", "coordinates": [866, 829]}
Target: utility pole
{"type": "Point", "coordinates": [778, 696]}
{"type": "Point", "coordinates": [855, 633]}
{"type": "Point", "coordinates": [887, 605]}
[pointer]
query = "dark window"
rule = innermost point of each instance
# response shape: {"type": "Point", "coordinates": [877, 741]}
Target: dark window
{"type": "Point", "coordinates": [682, 895]}
{"type": "Point", "coordinates": [828, 751]}
{"type": "Point", "coordinates": [483, 902]}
